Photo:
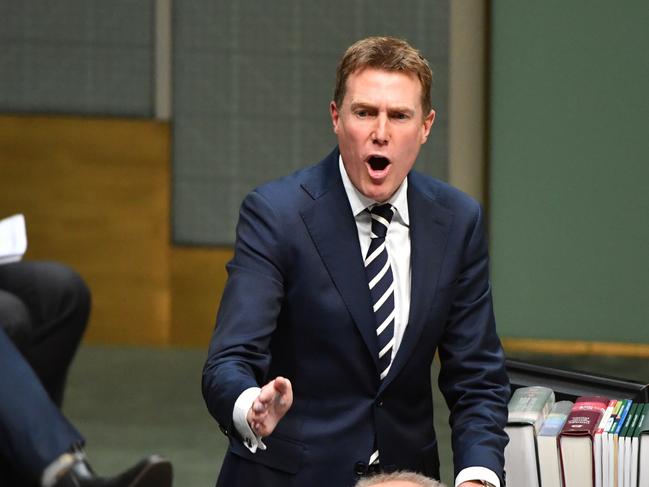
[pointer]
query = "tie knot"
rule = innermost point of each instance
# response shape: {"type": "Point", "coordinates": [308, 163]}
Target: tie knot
{"type": "Point", "coordinates": [381, 218]}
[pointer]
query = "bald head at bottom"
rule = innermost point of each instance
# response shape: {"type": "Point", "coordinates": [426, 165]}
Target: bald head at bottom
{"type": "Point", "coordinates": [399, 479]}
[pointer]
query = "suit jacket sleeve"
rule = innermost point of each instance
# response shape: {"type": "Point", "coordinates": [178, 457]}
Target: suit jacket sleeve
{"type": "Point", "coordinates": [473, 377]}
{"type": "Point", "coordinates": [239, 356]}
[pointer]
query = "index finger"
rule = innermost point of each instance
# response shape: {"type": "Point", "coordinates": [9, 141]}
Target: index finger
{"type": "Point", "coordinates": [282, 385]}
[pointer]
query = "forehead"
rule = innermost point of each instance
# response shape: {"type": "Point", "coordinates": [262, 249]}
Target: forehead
{"type": "Point", "coordinates": [372, 85]}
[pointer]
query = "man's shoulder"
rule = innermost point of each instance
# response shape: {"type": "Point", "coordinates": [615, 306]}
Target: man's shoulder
{"type": "Point", "coordinates": [306, 182]}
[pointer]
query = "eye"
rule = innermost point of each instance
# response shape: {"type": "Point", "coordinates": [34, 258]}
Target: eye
{"type": "Point", "coordinates": [400, 116]}
{"type": "Point", "coordinates": [364, 112]}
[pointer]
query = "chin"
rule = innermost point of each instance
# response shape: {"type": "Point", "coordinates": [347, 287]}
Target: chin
{"type": "Point", "coordinates": [380, 196]}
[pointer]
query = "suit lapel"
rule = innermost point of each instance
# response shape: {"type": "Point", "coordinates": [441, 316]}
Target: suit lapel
{"type": "Point", "coordinates": [429, 226]}
{"type": "Point", "coordinates": [332, 227]}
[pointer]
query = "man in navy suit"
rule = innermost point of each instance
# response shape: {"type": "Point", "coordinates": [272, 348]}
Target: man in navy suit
{"type": "Point", "coordinates": [300, 373]}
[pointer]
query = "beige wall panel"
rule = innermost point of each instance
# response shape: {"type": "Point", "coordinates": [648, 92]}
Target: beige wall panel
{"type": "Point", "coordinates": [466, 145]}
{"type": "Point", "coordinates": [197, 280]}
{"type": "Point", "coordinates": [575, 347]}
{"type": "Point", "coordinates": [95, 194]}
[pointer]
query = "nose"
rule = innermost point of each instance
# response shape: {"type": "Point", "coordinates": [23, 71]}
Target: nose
{"type": "Point", "coordinates": [381, 132]}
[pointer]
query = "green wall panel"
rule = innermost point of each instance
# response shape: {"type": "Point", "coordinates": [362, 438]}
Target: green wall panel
{"type": "Point", "coordinates": [569, 169]}
{"type": "Point", "coordinates": [252, 86]}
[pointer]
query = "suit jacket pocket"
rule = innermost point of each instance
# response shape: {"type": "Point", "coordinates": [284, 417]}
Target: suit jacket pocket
{"type": "Point", "coordinates": [282, 454]}
{"type": "Point", "coordinates": [430, 460]}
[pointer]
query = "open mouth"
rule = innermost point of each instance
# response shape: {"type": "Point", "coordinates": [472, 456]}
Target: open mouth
{"type": "Point", "coordinates": [378, 163]}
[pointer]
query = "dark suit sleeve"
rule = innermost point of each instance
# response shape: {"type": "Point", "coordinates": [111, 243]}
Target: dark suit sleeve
{"type": "Point", "coordinates": [473, 377]}
{"type": "Point", "coordinates": [239, 354]}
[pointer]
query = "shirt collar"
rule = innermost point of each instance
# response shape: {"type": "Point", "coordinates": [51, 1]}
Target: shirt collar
{"type": "Point", "coordinates": [360, 202]}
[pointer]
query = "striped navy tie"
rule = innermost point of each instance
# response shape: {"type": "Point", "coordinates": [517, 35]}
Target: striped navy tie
{"type": "Point", "coordinates": [381, 283]}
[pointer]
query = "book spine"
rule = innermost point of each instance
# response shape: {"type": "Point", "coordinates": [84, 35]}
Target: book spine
{"type": "Point", "coordinates": [621, 445]}
{"type": "Point", "coordinates": [627, 445]}
{"type": "Point", "coordinates": [598, 447]}
{"type": "Point", "coordinates": [583, 420]}
{"type": "Point", "coordinates": [634, 444]}
{"type": "Point", "coordinates": [530, 405]}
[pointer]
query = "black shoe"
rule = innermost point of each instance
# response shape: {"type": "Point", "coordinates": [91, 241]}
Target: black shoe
{"type": "Point", "coordinates": [153, 471]}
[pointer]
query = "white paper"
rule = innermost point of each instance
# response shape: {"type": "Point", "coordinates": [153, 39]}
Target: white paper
{"type": "Point", "coordinates": [13, 239]}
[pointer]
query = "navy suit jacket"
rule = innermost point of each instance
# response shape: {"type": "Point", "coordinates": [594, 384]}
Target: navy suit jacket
{"type": "Point", "coordinates": [297, 304]}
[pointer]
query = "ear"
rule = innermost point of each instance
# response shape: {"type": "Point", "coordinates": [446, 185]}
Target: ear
{"type": "Point", "coordinates": [335, 115]}
{"type": "Point", "coordinates": [427, 125]}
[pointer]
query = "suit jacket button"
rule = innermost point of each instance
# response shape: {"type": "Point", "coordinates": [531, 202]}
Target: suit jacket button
{"type": "Point", "coordinates": [360, 468]}
{"type": "Point", "coordinates": [224, 430]}
{"type": "Point", "coordinates": [380, 403]}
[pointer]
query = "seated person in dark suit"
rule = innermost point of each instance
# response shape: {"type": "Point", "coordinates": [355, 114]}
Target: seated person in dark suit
{"type": "Point", "coordinates": [39, 446]}
{"type": "Point", "coordinates": [44, 308]}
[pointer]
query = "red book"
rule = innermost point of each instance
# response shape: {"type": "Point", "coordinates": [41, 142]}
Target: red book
{"type": "Point", "coordinates": [576, 441]}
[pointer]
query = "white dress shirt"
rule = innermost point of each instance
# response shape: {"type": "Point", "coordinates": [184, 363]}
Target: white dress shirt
{"type": "Point", "coordinates": [397, 240]}
{"type": "Point", "coordinates": [398, 244]}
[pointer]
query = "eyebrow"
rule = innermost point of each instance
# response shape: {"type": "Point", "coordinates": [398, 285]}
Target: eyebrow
{"type": "Point", "coordinates": [403, 109]}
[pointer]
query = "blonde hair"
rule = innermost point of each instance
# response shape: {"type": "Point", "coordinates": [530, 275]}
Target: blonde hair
{"type": "Point", "coordinates": [389, 54]}
{"type": "Point", "coordinates": [403, 476]}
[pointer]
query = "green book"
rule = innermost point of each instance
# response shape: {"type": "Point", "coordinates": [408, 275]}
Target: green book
{"type": "Point", "coordinates": [642, 412]}
{"type": "Point", "coordinates": [643, 449]}
{"type": "Point", "coordinates": [633, 423]}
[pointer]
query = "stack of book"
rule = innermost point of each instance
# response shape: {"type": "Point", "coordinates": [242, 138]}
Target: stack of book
{"type": "Point", "coordinates": [595, 442]}
{"type": "Point", "coordinates": [528, 408]}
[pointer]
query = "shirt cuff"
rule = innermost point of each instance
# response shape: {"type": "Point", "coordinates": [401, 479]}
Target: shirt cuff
{"type": "Point", "coordinates": [477, 473]}
{"type": "Point", "coordinates": [239, 418]}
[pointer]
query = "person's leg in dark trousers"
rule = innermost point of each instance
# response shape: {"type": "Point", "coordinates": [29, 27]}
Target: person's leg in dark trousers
{"type": "Point", "coordinates": [33, 432]}
{"type": "Point", "coordinates": [58, 302]}
{"type": "Point", "coordinates": [15, 319]}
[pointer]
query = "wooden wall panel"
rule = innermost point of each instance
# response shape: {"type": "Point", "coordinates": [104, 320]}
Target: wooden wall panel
{"type": "Point", "coordinates": [95, 194]}
{"type": "Point", "coordinates": [197, 279]}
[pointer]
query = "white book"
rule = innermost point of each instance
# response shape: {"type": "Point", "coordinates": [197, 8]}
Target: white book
{"type": "Point", "coordinates": [528, 408]}
{"type": "Point", "coordinates": [548, 446]}
{"type": "Point", "coordinates": [643, 461]}
{"type": "Point", "coordinates": [13, 239]}
{"type": "Point", "coordinates": [610, 441]}
{"type": "Point", "coordinates": [622, 468]}
{"type": "Point", "coordinates": [604, 459]}
{"type": "Point", "coordinates": [627, 459]}
{"type": "Point", "coordinates": [597, 442]}
{"type": "Point", "coordinates": [615, 467]}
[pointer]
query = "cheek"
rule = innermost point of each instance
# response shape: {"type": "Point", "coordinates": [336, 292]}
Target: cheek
{"type": "Point", "coordinates": [414, 146]}
{"type": "Point", "coordinates": [355, 137]}
{"type": "Point", "coordinates": [401, 174]}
